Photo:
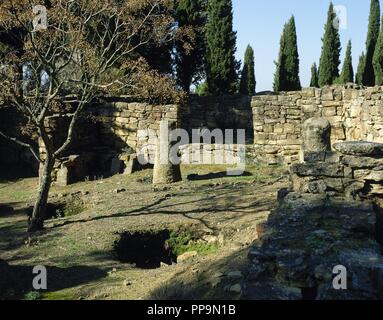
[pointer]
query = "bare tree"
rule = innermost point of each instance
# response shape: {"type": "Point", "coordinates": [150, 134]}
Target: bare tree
{"type": "Point", "coordinates": [72, 62]}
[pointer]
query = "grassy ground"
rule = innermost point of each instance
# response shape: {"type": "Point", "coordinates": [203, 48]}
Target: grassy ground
{"type": "Point", "coordinates": [78, 250]}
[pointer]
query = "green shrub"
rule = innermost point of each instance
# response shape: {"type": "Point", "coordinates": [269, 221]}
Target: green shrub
{"type": "Point", "coordinates": [32, 295]}
{"type": "Point", "coordinates": [74, 206]}
{"type": "Point", "coordinates": [181, 242]}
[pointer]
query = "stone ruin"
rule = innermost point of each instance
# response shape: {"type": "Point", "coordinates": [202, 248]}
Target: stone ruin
{"type": "Point", "coordinates": [329, 217]}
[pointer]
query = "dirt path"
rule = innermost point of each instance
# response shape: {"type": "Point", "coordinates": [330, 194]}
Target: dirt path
{"type": "Point", "coordinates": [78, 250]}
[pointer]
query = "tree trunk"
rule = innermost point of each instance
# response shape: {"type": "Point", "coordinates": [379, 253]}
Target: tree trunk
{"type": "Point", "coordinates": [39, 210]}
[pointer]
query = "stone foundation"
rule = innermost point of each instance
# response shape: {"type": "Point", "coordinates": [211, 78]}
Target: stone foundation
{"type": "Point", "coordinates": [328, 219]}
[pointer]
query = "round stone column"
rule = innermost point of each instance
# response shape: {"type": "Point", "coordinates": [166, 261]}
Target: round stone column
{"type": "Point", "coordinates": [165, 170]}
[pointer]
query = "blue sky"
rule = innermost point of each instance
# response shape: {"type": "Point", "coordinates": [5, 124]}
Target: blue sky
{"type": "Point", "coordinates": [260, 23]}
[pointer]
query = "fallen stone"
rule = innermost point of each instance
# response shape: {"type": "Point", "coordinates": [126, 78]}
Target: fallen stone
{"type": "Point", "coordinates": [210, 239]}
{"type": "Point", "coordinates": [371, 175]}
{"type": "Point", "coordinates": [235, 274]}
{"type": "Point", "coordinates": [360, 148]}
{"type": "Point", "coordinates": [236, 288]}
{"type": "Point", "coordinates": [187, 256]}
{"type": "Point", "coordinates": [318, 170]}
{"type": "Point", "coordinates": [359, 162]}
{"type": "Point", "coordinates": [117, 191]}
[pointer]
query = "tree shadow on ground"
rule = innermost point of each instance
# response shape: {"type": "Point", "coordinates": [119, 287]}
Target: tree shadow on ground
{"type": "Point", "coordinates": [207, 205]}
{"type": "Point", "coordinates": [211, 282]}
{"type": "Point", "coordinates": [13, 173]}
{"type": "Point", "coordinates": [16, 281]}
{"type": "Point", "coordinates": [215, 175]}
{"type": "Point", "coordinates": [6, 210]}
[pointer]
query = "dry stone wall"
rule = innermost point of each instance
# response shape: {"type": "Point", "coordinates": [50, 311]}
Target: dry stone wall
{"type": "Point", "coordinates": [134, 125]}
{"type": "Point", "coordinates": [273, 122]}
{"type": "Point", "coordinates": [354, 113]}
{"type": "Point", "coordinates": [226, 112]}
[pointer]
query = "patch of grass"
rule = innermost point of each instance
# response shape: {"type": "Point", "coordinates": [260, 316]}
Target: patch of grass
{"type": "Point", "coordinates": [185, 242]}
{"type": "Point", "coordinates": [58, 295]}
{"type": "Point", "coordinates": [18, 195]}
{"type": "Point", "coordinates": [33, 295]}
{"type": "Point", "coordinates": [256, 172]}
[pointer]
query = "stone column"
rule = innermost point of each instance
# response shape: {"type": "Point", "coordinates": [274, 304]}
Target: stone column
{"type": "Point", "coordinates": [165, 169]}
{"type": "Point", "coordinates": [316, 139]}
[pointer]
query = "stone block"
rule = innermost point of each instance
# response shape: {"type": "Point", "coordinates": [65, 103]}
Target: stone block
{"type": "Point", "coordinates": [319, 169]}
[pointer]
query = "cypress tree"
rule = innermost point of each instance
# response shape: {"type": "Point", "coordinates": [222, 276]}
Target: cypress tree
{"type": "Point", "coordinates": [190, 63]}
{"type": "Point", "coordinates": [360, 70]}
{"type": "Point", "coordinates": [329, 61]}
{"type": "Point", "coordinates": [248, 83]}
{"type": "Point", "coordinates": [372, 38]}
{"type": "Point", "coordinates": [314, 76]}
{"type": "Point", "coordinates": [221, 66]}
{"type": "Point", "coordinates": [347, 74]}
{"type": "Point", "coordinates": [378, 59]}
{"type": "Point", "coordinates": [287, 74]}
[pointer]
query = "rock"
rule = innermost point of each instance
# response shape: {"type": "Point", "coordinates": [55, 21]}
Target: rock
{"type": "Point", "coordinates": [121, 190]}
{"type": "Point", "coordinates": [221, 239]}
{"type": "Point", "coordinates": [218, 274]}
{"type": "Point", "coordinates": [127, 283]}
{"type": "Point", "coordinates": [187, 256]}
{"type": "Point", "coordinates": [270, 290]}
{"type": "Point", "coordinates": [235, 274]}
{"type": "Point", "coordinates": [66, 174]}
{"type": "Point", "coordinates": [236, 288]}
{"type": "Point", "coordinates": [360, 148]}
{"type": "Point", "coordinates": [359, 162]}
{"type": "Point", "coordinates": [130, 163]}
{"type": "Point", "coordinates": [210, 239]}
{"type": "Point", "coordinates": [215, 282]}
{"type": "Point", "coordinates": [370, 175]}
{"type": "Point", "coordinates": [333, 170]}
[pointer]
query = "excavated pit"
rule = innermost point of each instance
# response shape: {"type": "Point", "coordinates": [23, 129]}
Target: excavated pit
{"type": "Point", "coordinates": [146, 250]}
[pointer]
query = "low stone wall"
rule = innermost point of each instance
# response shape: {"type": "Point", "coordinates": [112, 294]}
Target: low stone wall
{"type": "Point", "coordinates": [354, 113]}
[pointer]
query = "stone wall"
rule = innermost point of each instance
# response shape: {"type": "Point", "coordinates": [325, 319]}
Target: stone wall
{"type": "Point", "coordinates": [227, 112]}
{"type": "Point", "coordinates": [273, 123]}
{"type": "Point", "coordinates": [354, 113]}
{"type": "Point", "coordinates": [133, 125]}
